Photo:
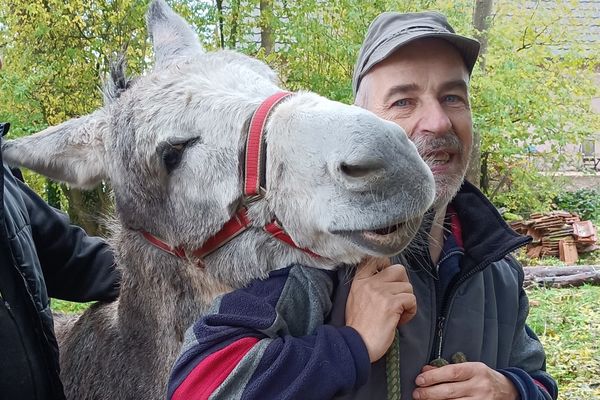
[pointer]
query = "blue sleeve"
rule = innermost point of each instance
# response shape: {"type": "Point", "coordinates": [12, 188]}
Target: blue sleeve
{"type": "Point", "coordinates": [531, 386]}
{"type": "Point", "coordinates": [268, 341]}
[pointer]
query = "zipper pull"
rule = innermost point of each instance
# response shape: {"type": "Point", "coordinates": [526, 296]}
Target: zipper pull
{"type": "Point", "coordinates": [440, 334]}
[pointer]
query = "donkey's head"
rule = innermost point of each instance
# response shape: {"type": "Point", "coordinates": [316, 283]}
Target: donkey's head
{"type": "Point", "coordinates": [342, 182]}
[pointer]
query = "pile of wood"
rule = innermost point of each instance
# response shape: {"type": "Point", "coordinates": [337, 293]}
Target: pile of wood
{"type": "Point", "coordinates": [559, 277]}
{"type": "Point", "coordinates": [558, 234]}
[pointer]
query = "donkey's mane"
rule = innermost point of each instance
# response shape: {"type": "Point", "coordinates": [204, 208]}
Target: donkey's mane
{"type": "Point", "coordinates": [117, 81]}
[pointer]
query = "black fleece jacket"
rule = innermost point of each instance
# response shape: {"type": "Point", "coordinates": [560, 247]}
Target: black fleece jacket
{"type": "Point", "coordinates": [41, 255]}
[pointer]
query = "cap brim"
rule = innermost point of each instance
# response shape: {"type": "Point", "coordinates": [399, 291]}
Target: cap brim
{"type": "Point", "coordinates": [468, 48]}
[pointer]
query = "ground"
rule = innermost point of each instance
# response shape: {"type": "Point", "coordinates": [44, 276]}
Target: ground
{"type": "Point", "coordinates": [567, 322]}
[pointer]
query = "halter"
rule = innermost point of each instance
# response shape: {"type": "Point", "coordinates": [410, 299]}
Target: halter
{"type": "Point", "coordinates": [255, 178]}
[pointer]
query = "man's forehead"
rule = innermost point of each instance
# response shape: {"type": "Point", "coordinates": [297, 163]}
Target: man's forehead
{"type": "Point", "coordinates": [423, 59]}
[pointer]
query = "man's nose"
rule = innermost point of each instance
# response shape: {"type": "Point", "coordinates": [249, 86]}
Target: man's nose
{"type": "Point", "coordinates": [434, 119]}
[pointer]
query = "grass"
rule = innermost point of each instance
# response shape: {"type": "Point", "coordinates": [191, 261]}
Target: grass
{"type": "Point", "coordinates": [592, 258]}
{"type": "Point", "coordinates": [567, 322]}
{"type": "Point", "coordinates": [68, 307]}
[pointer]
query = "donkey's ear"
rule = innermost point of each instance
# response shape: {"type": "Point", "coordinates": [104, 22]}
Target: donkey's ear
{"type": "Point", "coordinates": [72, 152]}
{"type": "Point", "coordinates": [172, 37]}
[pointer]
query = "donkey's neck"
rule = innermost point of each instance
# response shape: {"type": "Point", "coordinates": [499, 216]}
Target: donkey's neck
{"type": "Point", "coordinates": [160, 290]}
{"type": "Point", "coordinates": [167, 293]}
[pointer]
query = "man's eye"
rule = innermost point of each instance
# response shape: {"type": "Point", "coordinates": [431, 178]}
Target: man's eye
{"type": "Point", "coordinates": [451, 98]}
{"type": "Point", "coordinates": [401, 103]}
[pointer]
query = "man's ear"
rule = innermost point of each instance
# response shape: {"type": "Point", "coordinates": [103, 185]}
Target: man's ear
{"type": "Point", "coordinates": [72, 152]}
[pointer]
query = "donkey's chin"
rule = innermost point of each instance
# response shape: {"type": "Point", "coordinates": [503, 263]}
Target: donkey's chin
{"type": "Point", "coordinates": [387, 241]}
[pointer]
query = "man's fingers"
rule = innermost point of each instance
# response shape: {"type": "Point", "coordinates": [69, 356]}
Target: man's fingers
{"type": "Point", "coordinates": [370, 266]}
{"type": "Point", "coordinates": [444, 391]}
{"type": "Point", "coordinates": [447, 373]}
{"type": "Point", "coordinates": [394, 273]}
{"type": "Point", "coordinates": [407, 307]}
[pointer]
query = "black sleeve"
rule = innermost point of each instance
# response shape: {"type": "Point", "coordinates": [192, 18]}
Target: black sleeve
{"type": "Point", "coordinates": [76, 267]}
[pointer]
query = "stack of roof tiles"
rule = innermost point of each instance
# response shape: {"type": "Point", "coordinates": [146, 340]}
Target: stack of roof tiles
{"type": "Point", "coordinates": [558, 234]}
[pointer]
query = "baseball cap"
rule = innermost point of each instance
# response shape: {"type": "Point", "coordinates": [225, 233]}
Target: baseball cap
{"type": "Point", "coordinates": [392, 30]}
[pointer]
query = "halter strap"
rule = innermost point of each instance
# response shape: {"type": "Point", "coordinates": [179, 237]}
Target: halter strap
{"type": "Point", "coordinates": [255, 160]}
{"type": "Point", "coordinates": [254, 188]}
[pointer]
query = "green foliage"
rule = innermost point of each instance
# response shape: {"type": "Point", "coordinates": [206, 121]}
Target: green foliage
{"type": "Point", "coordinates": [530, 94]}
{"type": "Point", "coordinates": [567, 322]}
{"type": "Point", "coordinates": [524, 189]}
{"type": "Point", "coordinates": [591, 258]}
{"type": "Point", "coordinates": [524, 94]}
{"type": "Point", "coordinates": [585, 202]}
{"type": "Point", "coordinates": [68, 307]}
{"type": "Point", "coordinates": [509, 217]}
{"type": "Point", "coordinates": [54, 53]}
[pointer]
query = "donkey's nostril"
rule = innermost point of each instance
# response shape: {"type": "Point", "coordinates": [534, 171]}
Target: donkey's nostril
{"type": "Point", "coordinates": [358, 171]}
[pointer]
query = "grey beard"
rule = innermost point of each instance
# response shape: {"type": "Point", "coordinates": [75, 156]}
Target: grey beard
{"type": "Point", "coordinates": [446, 186]}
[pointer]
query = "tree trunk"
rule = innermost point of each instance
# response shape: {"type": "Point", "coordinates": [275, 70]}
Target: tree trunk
{"type": "Point", "coordinates": [220, 23]}
{"type": "Point", "coordinates": [559, 277]}
{"type": "Point", "coordinates": [87, 209]}
{"type": "Point", "coordinates": [235, 18]}
{"type": "Point", "coordinates": [266, 18]}
{"type": "Point", "coordinates": [481, 23]}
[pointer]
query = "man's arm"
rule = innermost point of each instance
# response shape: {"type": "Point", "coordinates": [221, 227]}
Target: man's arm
{"type": "Point", "coordinates": [268, 341]}
{"type": "Point", "coordinates": [76, 266]}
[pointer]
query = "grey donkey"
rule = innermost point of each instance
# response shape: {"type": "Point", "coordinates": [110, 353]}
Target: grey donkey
{"type": "Point", "coordinates": [340, 181]}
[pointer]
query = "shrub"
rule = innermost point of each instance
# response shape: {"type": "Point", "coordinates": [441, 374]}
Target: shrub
{"type": "Point", "coordinates": [585, 202]}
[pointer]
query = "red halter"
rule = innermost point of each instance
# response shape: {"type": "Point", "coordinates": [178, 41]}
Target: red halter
{"type": "Point", "coordinates": [254, 189]}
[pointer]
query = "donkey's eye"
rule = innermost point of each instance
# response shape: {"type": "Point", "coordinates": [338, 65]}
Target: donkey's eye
{"type": "Point", "coordinates": [171, 151]}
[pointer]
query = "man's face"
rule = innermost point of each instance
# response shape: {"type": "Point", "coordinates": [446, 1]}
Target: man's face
{"type": "Point", "coordinates": [423, 87]}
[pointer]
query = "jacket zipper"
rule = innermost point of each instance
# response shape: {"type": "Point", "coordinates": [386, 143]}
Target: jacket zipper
{"type": "Point", "coordinates": [445, 305]}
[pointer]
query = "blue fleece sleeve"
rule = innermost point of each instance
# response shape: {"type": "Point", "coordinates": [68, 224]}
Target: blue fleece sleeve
{"type": "Point", "coordinates": [268, 341]}
{"type": "Point", "coordinates": [531, 386]}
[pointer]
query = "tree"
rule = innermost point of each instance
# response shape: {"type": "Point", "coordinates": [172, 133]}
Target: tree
{"type": "Point", "coordinates": [266, 33]}
{"type": "Point", "coordinates": [481, 22]}
{"type": "Point", "coordinates": [54, 54]}
{"type": "Point", "coordinates": [523, 94]}
{"type": "Point", "coordinates": [531, 93]}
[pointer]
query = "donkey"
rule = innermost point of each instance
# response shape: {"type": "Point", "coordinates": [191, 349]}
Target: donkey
{"type": "Point", "coordinates": [211, 193]}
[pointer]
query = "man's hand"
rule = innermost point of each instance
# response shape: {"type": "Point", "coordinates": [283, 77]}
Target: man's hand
{"type": "Point", "coordinates": [381, 297]}
{"type": "Point", "coordinates": [472, 380]}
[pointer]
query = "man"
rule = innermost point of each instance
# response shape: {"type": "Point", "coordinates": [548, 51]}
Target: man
{"type": "Point", "coordinates": [414, 70]}
{"type": "Point", "coordinates": [41, 255]}
{"type": "Point", "coordinates": [268, 341]}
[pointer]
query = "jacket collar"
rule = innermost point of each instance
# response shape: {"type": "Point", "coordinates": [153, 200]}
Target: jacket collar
{"type": "Point", "coordinates": [486, 236]}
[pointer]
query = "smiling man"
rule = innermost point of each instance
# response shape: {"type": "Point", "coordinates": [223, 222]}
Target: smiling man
{"type": "Point", "coordinates": [280, 338]}
{"type": "Point", "coordinates": [414, 70]}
